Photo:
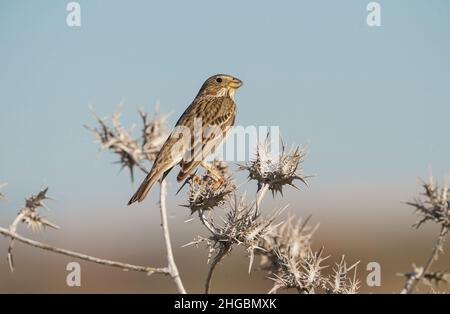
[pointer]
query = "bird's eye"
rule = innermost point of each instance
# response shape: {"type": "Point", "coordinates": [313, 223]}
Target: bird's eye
{"type": "Point", "coordinates": [219, 80]}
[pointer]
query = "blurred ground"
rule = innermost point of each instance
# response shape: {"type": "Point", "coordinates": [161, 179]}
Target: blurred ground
{"type": "Point", "coordinates": [378, 233]}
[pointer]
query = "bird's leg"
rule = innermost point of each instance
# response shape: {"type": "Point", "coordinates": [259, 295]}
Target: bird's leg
{"type": "Point", "coordinates": [219, 180]}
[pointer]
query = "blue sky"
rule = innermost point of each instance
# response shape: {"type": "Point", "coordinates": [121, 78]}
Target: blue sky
{"type": "Point", "coordinates": [372, 104]}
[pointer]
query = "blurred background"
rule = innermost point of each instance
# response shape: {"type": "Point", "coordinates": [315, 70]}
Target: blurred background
{"type": "Point", "coordinates": [371, 103]}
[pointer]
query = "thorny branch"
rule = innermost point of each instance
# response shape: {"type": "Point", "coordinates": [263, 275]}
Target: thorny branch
{"type": "Point", "coordinates": [30, 216]}
{"type": "Point", "coordinates": [131, 153]}
{"type": "Point", "coordinates": [420, 273]}
{"type": "Point", "coordinates": [433, 206]}
{"type": "Point", "coordinates": [284, 247]}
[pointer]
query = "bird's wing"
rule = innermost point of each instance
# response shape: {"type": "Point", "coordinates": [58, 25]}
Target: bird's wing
{"type": "Point", "coordinates": [218, 111]}
{"type": "Point", "coordinates": [217, 118]}
{"type": "Point", "coordinates": [170, 155]}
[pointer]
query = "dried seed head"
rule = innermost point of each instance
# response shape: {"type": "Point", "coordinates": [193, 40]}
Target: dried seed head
{"type": "Point", "coordinates": [341, 281]}
{"type": "Point", "coordinates": [241, 226]}
{"type": "Point", "coordinates": [30, 215]}
{"type": "Point", "coordinates": [433, 205]}
{"type": "Point", "coordinates": [437, 277]}
{"type": "Point", "coordinates": [293, 238]}
{"type": "Point", "coordinates": [205, 193]}
{"type": "Point", "coordinates": [304, 274]}
{"type": "Point", "coordinates": [275, 171]}
{"type": "Point", "coordinates": [131, 151]}
{"type": "Point", "coordinates": [291, 263]}
{"type": "Point", "coordinates": [154, 134]}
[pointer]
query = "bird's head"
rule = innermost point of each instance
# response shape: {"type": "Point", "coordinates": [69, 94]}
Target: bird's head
{"type": "Point", "coordinates": [220, 85]}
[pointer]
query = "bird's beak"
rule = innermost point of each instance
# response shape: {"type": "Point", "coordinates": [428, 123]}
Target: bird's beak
{"type": "Point", "coordinates": [235, 83]}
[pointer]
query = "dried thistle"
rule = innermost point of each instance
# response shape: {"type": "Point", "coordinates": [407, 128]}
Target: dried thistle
{"type": "Point", "coordinates": [293, 237]}
{"type": "Point", "coordinates": [204, 194]}
{"type": "Point", "coordinates": [154, 134]}
{"type": "Point", "coordinates": [434, 205]}
{"type": "Point", "coordinates": [304, 274]}
{"type": "Point", "coordinates": [242, 225]}
{"type": "Point", "coordinates": [291, 263]}
{"type": "Point", "coordinates": [284, 248]}
{"type": "Point", "coordinates": [275, 171]}
{"type": "Point", "coordinates": [131, 151]}
{"type": "Point", "coordinates": [340, 282]}
{"type": "Point", "coordinates": [30, 216]}
{"type": "Point", "coordinates": [435, 278]}
{"type": "Point", "coordinates": [30, 213]}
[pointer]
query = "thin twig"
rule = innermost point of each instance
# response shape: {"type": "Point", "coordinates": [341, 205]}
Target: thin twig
{"type": "Point", "coordinates": [172, 266]}
{"type": "Point", "coordinates": [13, 229]}
{"type": "Point", "coordinates": [50, 248]}
{"type": "Point", "coordinates": [206, 223]}
{"type": "Point", "coordinates": [259, 197]}
{"type": "Point", "coordinates": [214, 263]}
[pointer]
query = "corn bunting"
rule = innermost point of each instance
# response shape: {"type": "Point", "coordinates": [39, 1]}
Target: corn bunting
{"type": "Point", "coordinates": [198, 132]}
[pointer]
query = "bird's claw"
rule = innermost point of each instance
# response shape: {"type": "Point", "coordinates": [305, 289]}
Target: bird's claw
{"type": "Point", "coordinates": [196, 179]}
{"type": "Point", "coordinates": [217, 183]}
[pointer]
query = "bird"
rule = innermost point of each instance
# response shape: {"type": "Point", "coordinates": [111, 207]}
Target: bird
{"type": "Point", "coordinates": [214, 109]}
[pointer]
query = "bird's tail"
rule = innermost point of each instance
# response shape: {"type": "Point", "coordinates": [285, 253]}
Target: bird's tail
{"type": "Point", "coordinates": [148, 183]}
{"type": "Point", "coordinates": [145, 187]}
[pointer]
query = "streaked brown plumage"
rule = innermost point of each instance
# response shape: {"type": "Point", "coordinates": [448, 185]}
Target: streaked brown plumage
{"type": "Point", "coordinates": [213, 106]}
